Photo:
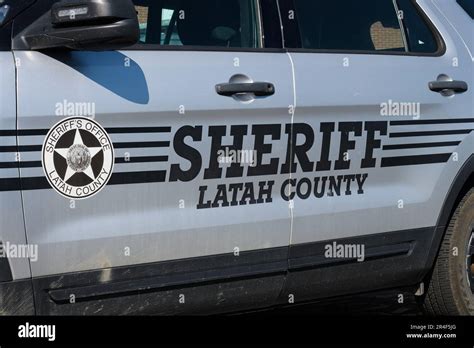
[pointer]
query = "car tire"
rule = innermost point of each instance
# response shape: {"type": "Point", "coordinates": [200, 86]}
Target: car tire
{"type": "Point", "coordinates": [450, 290]}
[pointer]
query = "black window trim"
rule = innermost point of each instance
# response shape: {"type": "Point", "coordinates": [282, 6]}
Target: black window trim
{"type": "Point", "coordinates": [435, 32]}
{"type": "Point", "coordinates": [157, 48]}
{"type": "Point", "coordinates": [401, 23]}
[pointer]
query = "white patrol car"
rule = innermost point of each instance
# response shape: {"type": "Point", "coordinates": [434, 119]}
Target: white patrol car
{"type": "Point", "coordinates": [194, 157]}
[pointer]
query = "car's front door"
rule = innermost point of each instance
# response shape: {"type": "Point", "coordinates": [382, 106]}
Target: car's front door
{"type": "Point", "coordinates": [194, 165]}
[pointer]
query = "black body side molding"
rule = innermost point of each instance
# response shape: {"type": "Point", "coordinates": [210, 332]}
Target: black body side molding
{"type": "Point", "coordinates": [228, 283]}
{"type": "Point", "coordinates": [5, 270]}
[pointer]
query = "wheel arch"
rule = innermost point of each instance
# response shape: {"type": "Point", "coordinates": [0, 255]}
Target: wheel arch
{"type": "Point", "coordinates": [462, 183]}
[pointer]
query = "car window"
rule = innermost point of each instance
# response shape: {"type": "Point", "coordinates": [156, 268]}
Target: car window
{"type": "Point", "coordinates": [468, 6]}
{"type": "Point", "coordinates": [419, 36]}
{"type": "Point", "coordinates": [4, 10]}
{"type": "Point", "coordinates": [369, 25]}
{"type": "Point", "coordinates": [168, 33]}
{"type": "Point", "coordinates": [209, 23]}
{"type": "Point", "coordinates": [10, 8]}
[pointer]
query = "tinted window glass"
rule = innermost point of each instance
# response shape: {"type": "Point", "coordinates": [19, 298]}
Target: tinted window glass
{"type": "Point", "coordinates": [10, 8]}
{"type": "Point", "coordinates": [214, 23]}
{"type": "Point", "coordinates": [4, 11]}
{"type": "Point", "coordinates": [369, 25]}
{"type": "Point", "coordinates": [419, 36]}
{"type": "Point", "coordinates": [468, 6]}
{"type": "Point", "coordinates": [271, 24]}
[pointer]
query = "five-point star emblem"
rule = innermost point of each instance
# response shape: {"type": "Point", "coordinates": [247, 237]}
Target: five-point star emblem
{"type": "Point", "coordinates": [79, 157]}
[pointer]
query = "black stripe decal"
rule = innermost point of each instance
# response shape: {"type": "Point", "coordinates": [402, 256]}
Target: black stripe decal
{"type": "Point", "coordinates": [32, 132]}
{"type": "Point", "coordinates": [40, 183]}
{"type": "Point", "coordinates": [7, 133]}
{"type": "Point", "coordinates": [23, 132]}
{"type": "Point", "coordinates": [148, 159]}
{"type": "Point", "coordinates": [118, 130]}
{"type": "Point", "coordinates": [421, 145]}
{"type": "Point", "coordinates": [138, 177]}
{"type": "Point", "coordinates": [428, 122]}
{"type": "Point", "coordinates": [29, 164]}
{"type": "Point", "coordinates": [135, 130]}
{"type": "Point", "coordinates": [10, 184]}
{"type": "Point", "coordinates": [10, 148]}
{"type": "Point", "coordinates": [415, 160]}
{"type": "Point", "coordinates": [139, 145]}
{"type": "Point", "coordinates": [429, 133]}
{"type": "Point", "coordinates": [22, 148]}
{"type": "Point", "coordinates": [121, 160]}
{"type": "Point", "coordinates": [128, 145]}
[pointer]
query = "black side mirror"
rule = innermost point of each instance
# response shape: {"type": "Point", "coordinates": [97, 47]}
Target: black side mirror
{"type": "Point", "coordinates": [83, 25]}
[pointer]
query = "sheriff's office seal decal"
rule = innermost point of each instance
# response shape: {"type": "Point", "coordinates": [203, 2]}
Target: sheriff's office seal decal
{"type": "Point", "coordinates": [78, 157]}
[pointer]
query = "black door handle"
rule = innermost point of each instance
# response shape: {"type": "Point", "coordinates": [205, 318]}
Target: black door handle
{"type": "Point", "coordinates": [260, 89]}
{"type": "Point", "coordinates": [448, 86]}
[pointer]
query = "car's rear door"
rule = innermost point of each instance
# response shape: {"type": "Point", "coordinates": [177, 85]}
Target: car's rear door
{"type": "Point", "coordinates": [193, 175]}
{"type": "Point", "coordinates": [378, 145]}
